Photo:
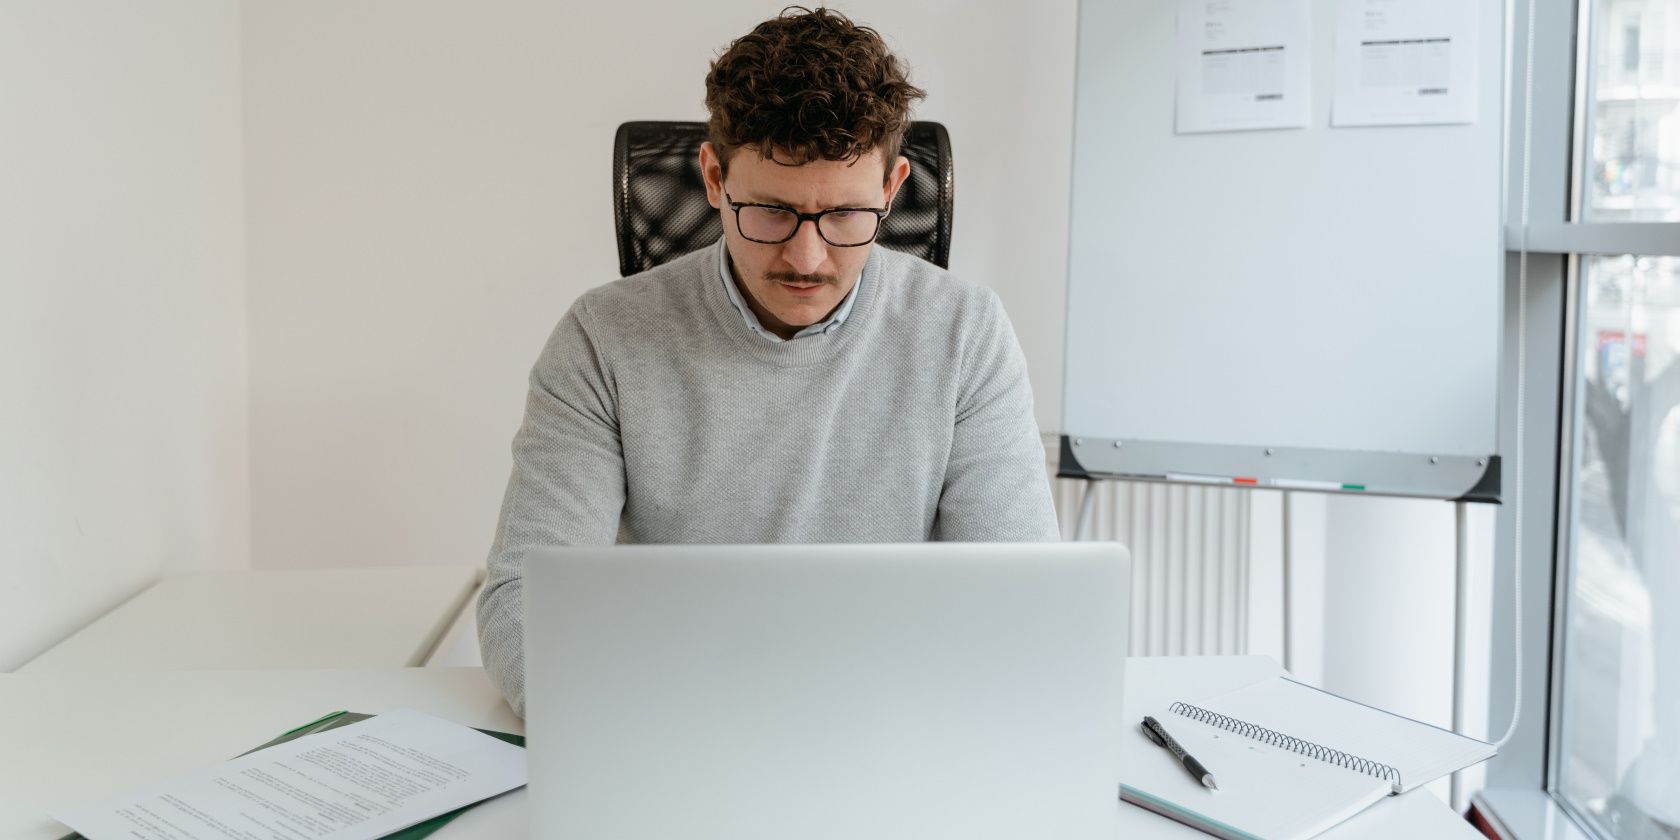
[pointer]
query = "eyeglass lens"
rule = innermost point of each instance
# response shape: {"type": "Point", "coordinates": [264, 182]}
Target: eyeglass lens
{"type": "Point", "coordinates": [839, 227]}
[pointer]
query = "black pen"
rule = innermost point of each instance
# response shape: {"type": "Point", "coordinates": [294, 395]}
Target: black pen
{"type": "Point", "coordinates": [1158, 734]}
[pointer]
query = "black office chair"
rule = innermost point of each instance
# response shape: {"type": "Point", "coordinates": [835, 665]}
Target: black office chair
{"type": "Point", "coordinates": [661, 213]}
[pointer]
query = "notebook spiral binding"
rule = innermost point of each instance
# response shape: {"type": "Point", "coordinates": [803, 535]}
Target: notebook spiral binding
{"type": "Point", "coordinates": [1294, 745]}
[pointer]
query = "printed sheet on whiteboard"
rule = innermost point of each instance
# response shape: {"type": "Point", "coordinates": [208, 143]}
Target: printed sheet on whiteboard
{"type": "Point", "coordinates": [1405, 62]}
{"type": "Point", "coordinates": [1243, 64]}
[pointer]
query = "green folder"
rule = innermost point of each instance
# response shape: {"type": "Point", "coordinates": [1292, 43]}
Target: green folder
{"type": "Point", "coordinates": [337, 719]}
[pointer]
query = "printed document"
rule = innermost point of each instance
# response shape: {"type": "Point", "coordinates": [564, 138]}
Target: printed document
{"type": "Point", "coordinates": [1405, 62]}
{"type": "Point", "coordinates": [356, 782]}
{"type": "Point", "coordinates": [1243, 64]}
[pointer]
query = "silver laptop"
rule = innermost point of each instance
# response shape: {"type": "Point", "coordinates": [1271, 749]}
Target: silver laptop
{"type": "Point", "coordinates": [798, 692]}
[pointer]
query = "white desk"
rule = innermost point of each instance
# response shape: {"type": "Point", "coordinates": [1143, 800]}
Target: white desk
{"type": "Point", "coordinates": [307, 618]}
{"type": "Point", "coordinates": [74, 737]}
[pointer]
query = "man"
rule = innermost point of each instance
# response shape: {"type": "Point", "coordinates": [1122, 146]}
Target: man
{"type": "Point", "coordinates": [793, 383]}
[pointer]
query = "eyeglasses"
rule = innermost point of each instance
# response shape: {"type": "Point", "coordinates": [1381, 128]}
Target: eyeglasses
{"type": "Point", "coordinates": [773, 224]}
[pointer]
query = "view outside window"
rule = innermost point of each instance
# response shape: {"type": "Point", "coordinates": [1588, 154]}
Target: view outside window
{"type": "Point", "coordinates": [1619, 764]}
{"type": "Point", "coordinates": [1633, 113]}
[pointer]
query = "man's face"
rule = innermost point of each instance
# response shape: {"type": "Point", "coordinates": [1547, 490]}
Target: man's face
{"type": "Point", "coordinates": [799, 282]}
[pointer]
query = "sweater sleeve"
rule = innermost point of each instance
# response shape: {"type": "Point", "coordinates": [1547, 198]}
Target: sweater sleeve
{"type": "Point", "coordinates": [996, 487]}
{"type": "Point", "coordinates": [567, 488]}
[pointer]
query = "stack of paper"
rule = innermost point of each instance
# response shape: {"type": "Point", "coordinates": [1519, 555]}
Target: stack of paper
{"type": "Point", "coordinates": [356, 782]}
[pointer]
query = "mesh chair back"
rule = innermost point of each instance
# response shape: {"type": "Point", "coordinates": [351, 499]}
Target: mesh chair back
{"type": "Point", "coordinates": [660, 208]}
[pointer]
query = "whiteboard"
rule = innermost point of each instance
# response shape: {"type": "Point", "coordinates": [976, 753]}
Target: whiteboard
{"type": "Point", "coordinates": [1318, 306]}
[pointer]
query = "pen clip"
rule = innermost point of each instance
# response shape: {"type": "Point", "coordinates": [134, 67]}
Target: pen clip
{"type": "Point", "coordinates": [1153, 735]}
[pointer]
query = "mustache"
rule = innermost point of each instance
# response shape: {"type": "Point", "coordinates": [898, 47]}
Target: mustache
{"type": "Point", "coordinates": [790, 277]}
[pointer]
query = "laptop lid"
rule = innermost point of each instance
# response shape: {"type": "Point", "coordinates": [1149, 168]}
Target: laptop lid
{"type": "Point", "coordinates": [826, 692]}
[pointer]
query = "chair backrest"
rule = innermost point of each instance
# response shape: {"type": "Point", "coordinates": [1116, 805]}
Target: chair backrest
{"type": "Point", "coordinates": [660, 208]}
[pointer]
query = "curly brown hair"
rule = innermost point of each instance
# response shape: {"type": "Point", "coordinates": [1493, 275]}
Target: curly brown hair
{"type": "Point", "coordinates": [809, 85]}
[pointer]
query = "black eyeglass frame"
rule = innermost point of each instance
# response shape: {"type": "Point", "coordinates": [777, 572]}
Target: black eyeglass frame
{"type": "Point", "coordinates": [814, 218]}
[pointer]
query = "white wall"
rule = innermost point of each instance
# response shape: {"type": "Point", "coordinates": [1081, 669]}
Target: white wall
{"type": "Point", "coordinates": [123, 446]}
{"type": "Point", "coordinates": [429, 189]}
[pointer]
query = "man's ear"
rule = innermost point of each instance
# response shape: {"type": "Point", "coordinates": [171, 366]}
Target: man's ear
{"type": "Point", "coordinates": [711, 171]}
{"type": "Point", "coordinates": [896, 177]}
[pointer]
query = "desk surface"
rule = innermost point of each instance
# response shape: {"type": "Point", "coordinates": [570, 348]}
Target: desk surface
{"type": "Point", "coordinates": [306, 618]}
{"type": "Point", "coordinates": [74, 737]}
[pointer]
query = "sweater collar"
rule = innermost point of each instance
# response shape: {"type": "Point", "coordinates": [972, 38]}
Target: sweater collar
{"type": "Point", "coordinates": [811, 349]}
{"type": "Point", "coordinates": [831, 323]}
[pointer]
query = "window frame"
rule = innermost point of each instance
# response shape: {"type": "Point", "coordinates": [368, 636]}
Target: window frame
{"type": "Point", "coordinates": [1522, 790]}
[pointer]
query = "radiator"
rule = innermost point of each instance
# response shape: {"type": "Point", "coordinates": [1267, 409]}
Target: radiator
{"type": "Point", "coordinates": [1190, 558]}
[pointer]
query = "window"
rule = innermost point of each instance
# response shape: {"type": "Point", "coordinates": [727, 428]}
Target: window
{"type": "Point", "coordinates": [1616, 762]}
{"type": "Point", "coordinates": [1619, 753]}
{"type": "Point", "coordinates": [1633, 112]}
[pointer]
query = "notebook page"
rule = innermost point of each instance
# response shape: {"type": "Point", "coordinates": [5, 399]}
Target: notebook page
{"type": "Point", "coordinates": [1264, 791]}
{"type": "Point", "coordinates": [1422, 753]}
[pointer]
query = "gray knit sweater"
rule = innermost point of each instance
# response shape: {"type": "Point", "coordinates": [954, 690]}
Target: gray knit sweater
{"type": "Point", "coordinates": [656, 416]}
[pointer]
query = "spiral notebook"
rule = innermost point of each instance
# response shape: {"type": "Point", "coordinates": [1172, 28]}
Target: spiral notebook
{"type": "Point", "coordinates": [1292, 760]}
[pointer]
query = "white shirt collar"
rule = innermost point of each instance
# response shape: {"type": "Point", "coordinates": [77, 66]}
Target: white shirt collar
{"type": "Point", "coordinates": [832, 323]}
